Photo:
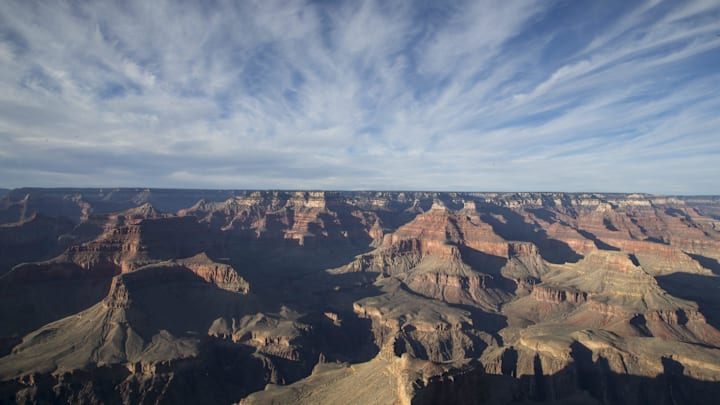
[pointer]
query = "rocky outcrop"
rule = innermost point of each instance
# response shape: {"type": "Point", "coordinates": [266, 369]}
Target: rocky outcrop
{"type": "Point", "coordinates": [222, 275]}
{"type": "Point", "coordinates": [472, 289]}
{"type": "Point", "coordinates": [407, 297]}
{"type": "Point", "coordinates": [139, 242]}
{"type": "Point", "coordinates": [429, 330]}
{"type": "Point", "coordinates": [524, 262]}
{"type": "Point", "coordinates": [299, 217]}
{"type": "Point", "coordinates": [555, 295]}
{"type": "Point", "coordinates": [659, 258]}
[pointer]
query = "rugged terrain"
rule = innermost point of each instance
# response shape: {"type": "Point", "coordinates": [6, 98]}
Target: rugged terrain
{"type": "Point", "coordinates": [222, 296]}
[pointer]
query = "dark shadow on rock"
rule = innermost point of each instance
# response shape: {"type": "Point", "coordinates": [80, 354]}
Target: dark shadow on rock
{"type": "Point", "coordinates": [674, 212]}
{"type": "Point", "coordinates": [451, 200]}
{"type": "Point", "coordinates": [352, 224]}
{"type": "Point", "coordinates": [705, 290]}
{"type": "Point", "coordinates": [514, 227]}
{"type": "Point", "coordinates": [161, 241]}
{"type": "Point", "coordinates": [467, 386]}
{"type": "Point", "coordinates": [221, 371]}
{"type": "Point", "coordinates": [405, 343]}
{"type": "Point", "coordinates": [609, 225]}
{"type": "Point", "coordinates": [509, 362]}
{"type": "Point", "coordinates": [538, 386]}
{"type": "Point", "coordinates": [584, 381]}
{"type": "Point", "coordinates": [482, 262]}
{"type": "Point", "coordinates": [487, 322]}
{"type": "Point", "coordinates": [349, 339]}
{"type": "Point", "coordinates": [707, 262]}
{"type": "Point", "coordinates": [645, 232]}
{"type": "Point", "coordinates": [556, 251]}
{"type": "Point", "coordinates": [633, 259]}
{"type": "Point", "coordinates": [34, 240]}
{"type": "Point", "coordinates": [490, 265]}
{"type": "Point", "coordinates": [29, 293]}
{"type": "Point", "coordinates": [26, 306]}
{"type": "Point", "coordinates": [283, 277]}
{"type": "Point", "coordinates": [265, 263]}
{"type": "Point", "coordinates": [177, 300]}
{"type": "Point", "coordinates": [392, 220]}
{"type": "Point", "coordinates": [593, 376]}
{"type": "Point", "coordinates": [598, 243]}
{"type": "Point", "coordinates": [673, 375]}
{"type": "Point", "coordinates": [640, 324]}
{"type": "Point", "coordinates": [544, 214]}
{"type": "Point", "coordinates": [174, 299]}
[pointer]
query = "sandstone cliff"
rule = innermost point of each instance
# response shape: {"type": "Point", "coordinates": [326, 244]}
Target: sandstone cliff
{"type": "Point", "coordinates": [177, 296]}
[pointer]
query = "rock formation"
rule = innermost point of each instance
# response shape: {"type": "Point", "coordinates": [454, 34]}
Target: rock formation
{"type": "Point", "coordinates": [188, 296]}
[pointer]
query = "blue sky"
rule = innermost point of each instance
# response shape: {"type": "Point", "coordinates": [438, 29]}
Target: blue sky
{"type": "Point", "coordinates": [434, 95]}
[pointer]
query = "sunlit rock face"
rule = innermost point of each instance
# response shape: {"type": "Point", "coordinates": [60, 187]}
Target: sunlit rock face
{"type": "Point", "coordinates": [187, 296]}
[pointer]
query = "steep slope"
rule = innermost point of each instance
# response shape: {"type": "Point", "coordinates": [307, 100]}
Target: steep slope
{"type": "Point", "coordinates": [137, 348]}
{"type": "Point", "coordinates": [35, 238]}
{"type": "Point", "coordinates": [432, 256]}
{"type": "Point", "coordinates": [393, 297]}
{"type": "Point", "coordinates": [131, 239]}
{"type": "Point", "coordinates": [611, 291]}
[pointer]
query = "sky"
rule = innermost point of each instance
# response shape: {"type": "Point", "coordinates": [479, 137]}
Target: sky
{"type": "Point", "coordinates": [605, 96]}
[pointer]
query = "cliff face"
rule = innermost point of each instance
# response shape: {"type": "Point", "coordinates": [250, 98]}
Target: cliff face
{"type": "Point", "coordinates": [35, 238]}
{"type": "Point", "coordinates": [544, 293]}
{"type": "Point", "coordinates": [179, 296]}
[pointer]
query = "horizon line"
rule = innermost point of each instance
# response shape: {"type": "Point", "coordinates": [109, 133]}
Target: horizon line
{"type": "Point", "coordinates": [359, 190]}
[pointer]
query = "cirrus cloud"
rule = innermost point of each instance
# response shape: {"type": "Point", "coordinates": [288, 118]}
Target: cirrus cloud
{"type": "Point", "coordinates": [476, 95]}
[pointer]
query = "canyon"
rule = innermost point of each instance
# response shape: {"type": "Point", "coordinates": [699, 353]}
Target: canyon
{"type": "Point", "coordinates": [253, 297]}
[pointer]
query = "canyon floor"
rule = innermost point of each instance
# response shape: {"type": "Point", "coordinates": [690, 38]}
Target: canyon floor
{"type": "Point", "coordinates": [145, 296]}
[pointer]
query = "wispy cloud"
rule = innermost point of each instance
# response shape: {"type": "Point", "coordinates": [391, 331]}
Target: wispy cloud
{"type": "Point", "coordinates": [474, 95]}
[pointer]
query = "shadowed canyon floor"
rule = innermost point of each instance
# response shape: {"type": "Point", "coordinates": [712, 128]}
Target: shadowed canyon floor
{"type": "Point", "coordinates": [221, 296]}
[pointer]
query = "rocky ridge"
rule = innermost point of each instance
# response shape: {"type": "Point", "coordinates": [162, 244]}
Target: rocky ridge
{"type": "Point", "coordinates": [176, 295]}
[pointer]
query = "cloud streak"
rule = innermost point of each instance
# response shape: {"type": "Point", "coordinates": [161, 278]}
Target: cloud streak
{"type": "Point", "coordinates": [481, 95]}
